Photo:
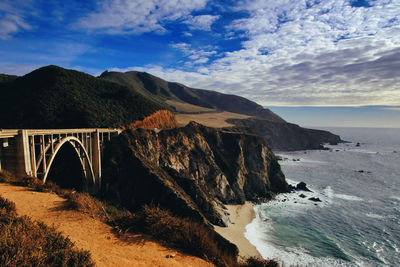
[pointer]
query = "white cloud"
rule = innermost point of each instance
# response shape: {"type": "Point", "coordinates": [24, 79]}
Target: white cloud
{"type": "Point", "coordinates": [12, 17]}
{"type": "Point", "coordinates": [11, 24]}
{"type": "Point", "coordinates": [127, 17]}
{"type": "Point", "coordinates": [323, 53]}
{"type": "Point", "coordinates": [196, 56]}
{"type": "Point", "coordinates": [202, 22]}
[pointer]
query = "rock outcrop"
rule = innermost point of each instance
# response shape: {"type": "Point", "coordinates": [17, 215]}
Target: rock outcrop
{"type": "Point", "coordinates": [286, 136]}
{"type": "Point", "coordinates": [192, 170]}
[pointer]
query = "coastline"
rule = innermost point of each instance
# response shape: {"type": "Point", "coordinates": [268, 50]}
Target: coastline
{"type": "Point", "coordinates": [240, 216]}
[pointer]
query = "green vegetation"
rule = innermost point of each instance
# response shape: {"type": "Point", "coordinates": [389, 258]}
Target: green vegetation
{"type": "Point", "coordinates": [27, 243]}
{"type": "Point", "coordinates": [53, 97]}
{"type": "Point", "coordinates": [163, 90]}
{"type": "Point", "coordinates": [7, 78]}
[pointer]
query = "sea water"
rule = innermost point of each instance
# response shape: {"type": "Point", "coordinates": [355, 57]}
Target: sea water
{"type": "Point", "coordinates": [357, 222]}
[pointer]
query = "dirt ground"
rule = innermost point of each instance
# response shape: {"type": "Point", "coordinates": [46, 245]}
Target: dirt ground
{"type": "Point", "coordinates": [88, 233]}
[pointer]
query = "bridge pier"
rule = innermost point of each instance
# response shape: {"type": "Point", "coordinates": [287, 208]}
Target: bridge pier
{"type": "Point", "coordinates": [32, 152]}
{"type": "Point", "coordinates": [96, 158]}
{"type": "Point", "coordinates": [23, 162]}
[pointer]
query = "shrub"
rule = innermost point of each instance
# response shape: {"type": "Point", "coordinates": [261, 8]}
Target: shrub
{"type": "Point", "coordinates": [27, 243]}
{"type": "Point", "coordinates": [162, 119]}
{"type": "Point", "coordinates": [257, 262]}
{"type": "Point", "coordinates": [182, 233]}
{"type": "Point", "coordinates": [5, 176]}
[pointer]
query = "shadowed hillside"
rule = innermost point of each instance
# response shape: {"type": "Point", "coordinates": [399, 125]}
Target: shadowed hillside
{"type": "Point", "coordinates": [53, 97]}
{"type": "Point", "coordinates": [210, 108]}
{"type": "Point", "coordinates": [150, 84]}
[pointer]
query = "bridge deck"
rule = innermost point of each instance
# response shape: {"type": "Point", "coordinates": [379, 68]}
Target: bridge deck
{"type": "Point", "coordinates": [10, 133]}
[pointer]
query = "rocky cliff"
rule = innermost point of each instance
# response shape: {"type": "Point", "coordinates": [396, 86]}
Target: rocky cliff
{"type": "Point", "coordinates": [192, 170]}
{"type": "Point", "coordinates": [285, 136]}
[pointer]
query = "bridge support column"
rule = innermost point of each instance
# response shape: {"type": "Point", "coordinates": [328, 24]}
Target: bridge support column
{"type": "Point", "coordinates": [23, 162]}
{"type": "Point", "coordinates": [96, 159]}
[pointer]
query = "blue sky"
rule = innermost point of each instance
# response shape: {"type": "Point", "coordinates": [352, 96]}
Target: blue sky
{"type": "Point", "coordinates": [274, 52]}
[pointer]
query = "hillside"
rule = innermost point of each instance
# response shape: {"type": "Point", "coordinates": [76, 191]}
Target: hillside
{"type": "Point", "coordinates": [219, 110]}
{"type": "Point", "coordinates": [145, 82]}
{"type": "Point", "coordinates": [53, 97]}
{"type": "Point", "coordinates": [286, 136]}
{"type": "Point", "coordinates": [105, 246]}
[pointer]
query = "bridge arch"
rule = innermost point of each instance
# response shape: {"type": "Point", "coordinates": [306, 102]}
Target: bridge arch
{"type": "Point", "coordinates": [81, 153]}
{"type": "Point", "coordinates": [33, 151]}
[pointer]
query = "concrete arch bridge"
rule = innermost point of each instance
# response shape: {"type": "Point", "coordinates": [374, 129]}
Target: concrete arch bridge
{"type": "Point", "coordinates": [32, 152]}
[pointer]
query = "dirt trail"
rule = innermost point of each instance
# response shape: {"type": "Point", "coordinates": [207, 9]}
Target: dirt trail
{"type": "Point", "coordinates": [91, 234]}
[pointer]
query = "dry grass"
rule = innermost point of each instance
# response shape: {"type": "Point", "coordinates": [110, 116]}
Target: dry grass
{"type": "Point", "coordinates": [186, 107]}
{"type": "Point", "coordinates": [27, 243]}
{"type": "Point", "coordinates": [257, 262]}
{"type": "Point", "coordinates": [162, 119]}
{"type": "Point", "coordinates": [6, 177]}
{"type": "Point", "coordinates": [211, 119]}
{"type": "Point", "coordinates": [181, 233]}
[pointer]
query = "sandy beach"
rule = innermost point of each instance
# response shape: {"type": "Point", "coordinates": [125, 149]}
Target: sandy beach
{"type": "Point", "coordinates": [240, 216]}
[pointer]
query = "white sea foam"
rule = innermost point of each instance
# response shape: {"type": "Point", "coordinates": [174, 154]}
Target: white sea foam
{"type": "Point", "coordinates": [363, 151]}
{"type": "Point", "coordinates": [348, 197]}
{"type": "Point", "coordinates": [296, 159]}
{"type": "Point", "coordinates": [375, 216]}
{"type": "Point", "coordinates": [257, 234]}
{"type": "Point", "coordinates": [330, 193]}
{"type": "Point", "coordinates": [395, 197]}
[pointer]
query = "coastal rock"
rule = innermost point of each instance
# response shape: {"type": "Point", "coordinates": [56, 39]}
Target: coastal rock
{"type": "Point", "coordinates": [286, 136]}
{"type": "Point", "coordinates": [302, 186]}
{"type": "Point", "coordinates": [315, 199]}
{"type": "Point", "coordinates": [192, 170]}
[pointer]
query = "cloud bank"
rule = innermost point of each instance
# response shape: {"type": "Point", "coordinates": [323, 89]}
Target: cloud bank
{"type": "Point", "coordinates": [331, 52]}
{"type": "Point", "coordinates": [286, 52]}
{"type": "Point", "coordinates": [127, 17]}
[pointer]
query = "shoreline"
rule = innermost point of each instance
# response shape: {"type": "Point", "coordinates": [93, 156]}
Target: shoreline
{"type": "Point", "coordinates": [240, 216]}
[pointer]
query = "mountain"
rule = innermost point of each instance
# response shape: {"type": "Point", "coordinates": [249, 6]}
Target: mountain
{"type": "Point", "coordinates": [279, 134]}
{"type": "Point", "coordinates": [149, 84]}
{"type": "Point", "coordinates": [286, 136]}
{"type": "Point", "coordinates": [53, 97]}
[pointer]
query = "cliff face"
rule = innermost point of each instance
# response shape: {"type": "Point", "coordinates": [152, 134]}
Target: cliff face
{"type": "Point", "coordinates": [191, 170]}
{"type": "Point", "coordinates": [286, 136]}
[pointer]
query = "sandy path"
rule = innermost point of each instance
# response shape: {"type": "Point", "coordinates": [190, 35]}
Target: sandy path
{"type": "Point", "coordinates": [91, 234]}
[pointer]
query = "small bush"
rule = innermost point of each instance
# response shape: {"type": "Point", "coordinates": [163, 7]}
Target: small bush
{"type": "Point", "coordinates": [27, 243]}
{"type": "Point", "coordinates": [257, 262]}
{"type": "Point", "coordinates": [162, 119]}
{"type": "Point", "coordinates": [84, 202]}
{"type": "Point", "coordinates": [182, 233]}
{"type": "Point", "coordinates": [5, 176]}
{"type": "Point", "coordinates": [7, 206]}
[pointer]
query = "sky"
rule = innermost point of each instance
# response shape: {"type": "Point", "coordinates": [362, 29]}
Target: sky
{"type": "Point", "coordinates": [323, 53]}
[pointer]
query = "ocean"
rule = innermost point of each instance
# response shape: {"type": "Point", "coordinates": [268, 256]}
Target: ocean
{"type": "Point", "coordinates": [357, 222]}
